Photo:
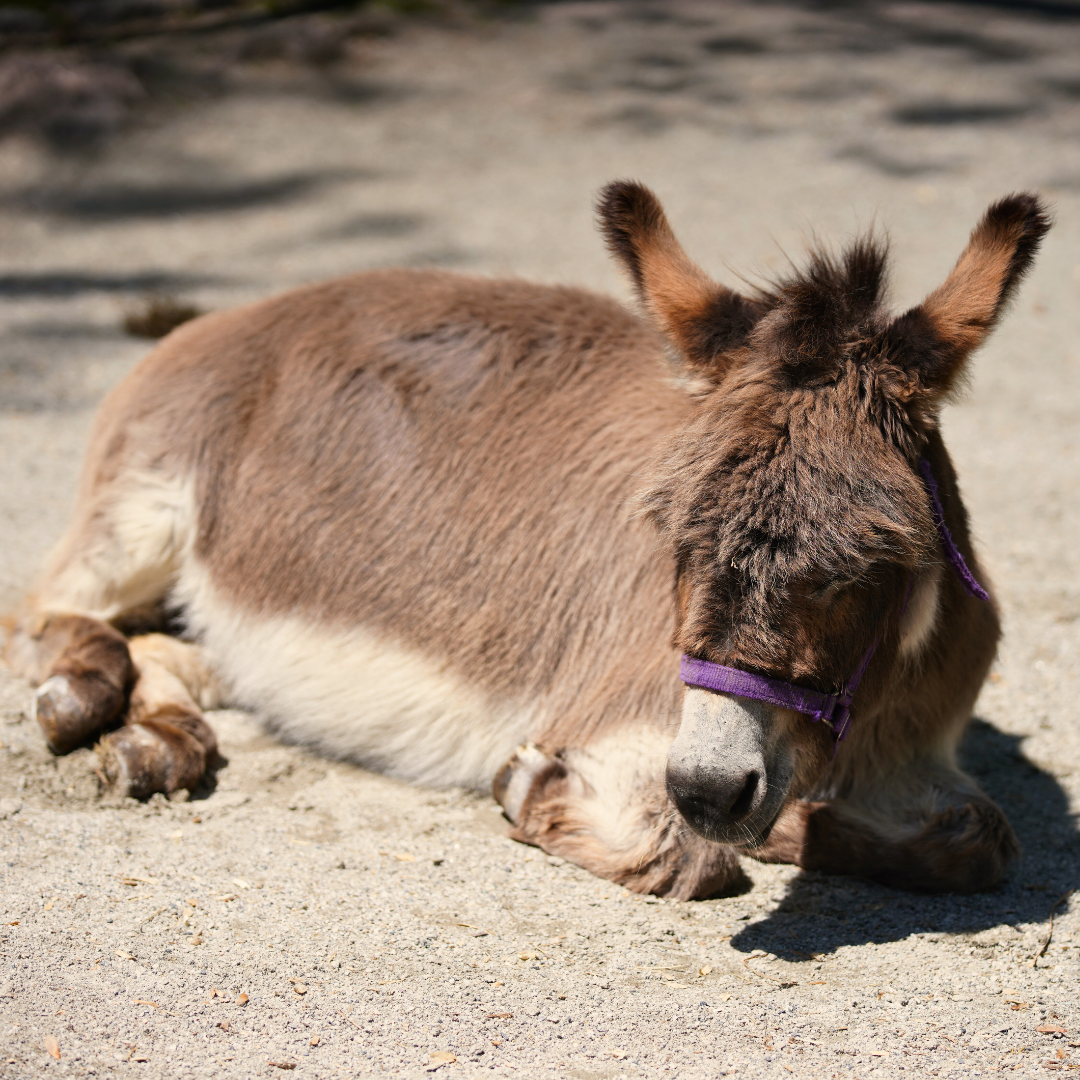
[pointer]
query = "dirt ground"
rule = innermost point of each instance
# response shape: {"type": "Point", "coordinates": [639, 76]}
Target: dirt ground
{"type": "Point", "coordinates": [304, 914]}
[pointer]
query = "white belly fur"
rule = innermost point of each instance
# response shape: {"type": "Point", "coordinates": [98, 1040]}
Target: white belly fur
{"type": "Point", "coordinates": [351, 695]}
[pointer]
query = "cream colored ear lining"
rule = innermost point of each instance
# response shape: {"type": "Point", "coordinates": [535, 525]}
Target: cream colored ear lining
{"type": "Point", "coordinates": [920, 618]}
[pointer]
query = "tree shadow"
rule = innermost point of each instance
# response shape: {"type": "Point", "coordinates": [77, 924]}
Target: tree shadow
{"type": "Point", "coordinates": [117, 202]}
{"type": "Point", "coordinates": [374, 226]}
{"type": "Point", "coordinates": [821, 913]}
{"type": "Point", "coordinates": [733, 45]}
{"type": "Point", "coordinates": [70, 283]}
{"type": "Point", "coordinates": [943, 113]}
{"type": "Point", "coordinates": [892, 164]}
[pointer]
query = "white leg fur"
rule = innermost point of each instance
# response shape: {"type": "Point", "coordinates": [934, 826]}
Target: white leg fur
{"type": "Point", "coordinates": [123, 552]}
{"type": "Point", "coordinates": [526, 764]}
{"type": "Point", "coordinates": [615, 784]}
{"type": "Point", "coordinates": [171, 672]}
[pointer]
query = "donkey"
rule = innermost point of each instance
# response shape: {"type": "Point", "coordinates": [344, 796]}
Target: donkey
{"type": "Point", "coordinates": [460, 530]}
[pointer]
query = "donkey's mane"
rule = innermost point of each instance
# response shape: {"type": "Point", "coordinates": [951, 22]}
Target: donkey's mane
{"type": "Point", "coordinates": [781, 449]}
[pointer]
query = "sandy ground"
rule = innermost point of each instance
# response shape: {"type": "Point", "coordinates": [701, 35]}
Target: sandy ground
{"type": "Point", "coordinates": [306, 914]}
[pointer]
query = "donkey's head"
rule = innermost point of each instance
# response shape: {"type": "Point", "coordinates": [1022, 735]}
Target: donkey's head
{"type": "Point", "coordinates": [791, 497]}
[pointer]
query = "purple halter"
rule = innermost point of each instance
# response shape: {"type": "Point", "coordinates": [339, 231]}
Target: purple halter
{"type": "Point", "coordinates": [833, 709]}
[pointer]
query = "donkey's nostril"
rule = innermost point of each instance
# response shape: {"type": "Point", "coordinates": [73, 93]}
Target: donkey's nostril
{"type": "Point", "coordinates": [695, 809]}
{"type": "Point", "coordinates": [714, 805]}
{"type": "Point", "coordinates": [747, 799]}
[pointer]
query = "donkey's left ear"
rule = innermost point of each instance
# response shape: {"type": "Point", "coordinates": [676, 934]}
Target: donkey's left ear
{"type": "Point", "coordinates": [704, 320]}
{"type": "Point", "coordinates": [933, 340]}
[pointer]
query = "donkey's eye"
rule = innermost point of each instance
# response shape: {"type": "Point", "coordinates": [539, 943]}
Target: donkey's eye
{"type": "Point", "coordinates": [828, 590]}
{"type": "Point", "coordinates": [832, 588]}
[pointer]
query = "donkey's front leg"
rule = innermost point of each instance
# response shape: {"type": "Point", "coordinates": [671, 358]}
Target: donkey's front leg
{"type": "Point", "coordinates": [941, 835]}
{"type": "Point", "coordinates": [604, 807]}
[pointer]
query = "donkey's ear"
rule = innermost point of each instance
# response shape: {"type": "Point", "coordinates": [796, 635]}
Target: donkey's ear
{"type": "Point", "coordinates": [702, 319]}
{"type": "Point", "coordinates": [933, 340]}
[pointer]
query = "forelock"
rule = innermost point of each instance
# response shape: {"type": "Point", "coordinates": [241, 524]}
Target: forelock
{"type": "Point", "coordinates": [781, 485]}
{"type": "Point", "coordinates": [818, 313]}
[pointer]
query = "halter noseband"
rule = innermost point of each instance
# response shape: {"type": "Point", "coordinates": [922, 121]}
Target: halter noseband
{"type": "Point", "coordinates": [833, 709]}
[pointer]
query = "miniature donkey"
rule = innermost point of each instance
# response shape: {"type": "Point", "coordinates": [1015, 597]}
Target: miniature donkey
{"type": "Point", "coordinates": [460, 530]}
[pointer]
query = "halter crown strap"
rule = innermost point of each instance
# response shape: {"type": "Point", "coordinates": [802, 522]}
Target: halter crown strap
{"type": "Point", "coordinates": [833, 709]}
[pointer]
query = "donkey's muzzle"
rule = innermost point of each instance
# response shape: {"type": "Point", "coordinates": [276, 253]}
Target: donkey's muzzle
{"type": "Point", "coordinates": [725, 774]}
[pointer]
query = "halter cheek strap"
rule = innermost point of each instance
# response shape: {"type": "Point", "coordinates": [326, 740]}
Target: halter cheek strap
{"type": "Point", "coordinates": [833, 709]}
{"type": "Point", "coordinates": [952, 552]}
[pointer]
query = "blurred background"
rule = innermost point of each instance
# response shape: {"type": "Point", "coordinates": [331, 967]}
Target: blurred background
{"type": "Point", "coordinates": [159, 157]}
{"type": "Point", "coordinates": [213, 151]}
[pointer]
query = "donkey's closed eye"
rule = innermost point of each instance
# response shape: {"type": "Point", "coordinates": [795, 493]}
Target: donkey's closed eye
{"type": "Point", "coordinates": [830, 589]}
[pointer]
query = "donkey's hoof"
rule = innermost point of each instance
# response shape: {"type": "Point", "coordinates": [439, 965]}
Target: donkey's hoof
{"type": "Point", "coordinates": [515, 779]}
{"type": "Point", "coordinates": [69, 714]}
{"type": "Point", "coordinates": [141, 759]}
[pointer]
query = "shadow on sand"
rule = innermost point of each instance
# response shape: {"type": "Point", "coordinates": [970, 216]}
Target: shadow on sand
{"type": "Point", "coordinates": [120, 202]}
{"type": "Point", "coordinates": [821, 913]}
{"type": "Point", "coordinates": [70, 283]}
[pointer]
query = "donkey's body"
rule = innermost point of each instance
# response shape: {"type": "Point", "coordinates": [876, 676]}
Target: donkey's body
{"type": "Point", "coordinates": [395, 513]}
{"type": "Point", "coordinates": [430, 562]}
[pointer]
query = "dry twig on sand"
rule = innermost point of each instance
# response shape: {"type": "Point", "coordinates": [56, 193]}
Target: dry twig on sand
{"type": "Point", "coordinates": [1050, 932]}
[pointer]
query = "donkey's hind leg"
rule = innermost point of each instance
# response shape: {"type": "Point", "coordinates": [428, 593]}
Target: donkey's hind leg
{"type": "Point", "coordinates": [84, 670]}
{"type": "Point", "coordinates": [166, 743]}
{"type": "Point", "coordinates": [91, 673]}
{"type": "Point", "coordinates": [115, 567]}
{"type": "Point", "coordinates": [604, 807]}
{"type": "Point", "coordinates": [117, 560]}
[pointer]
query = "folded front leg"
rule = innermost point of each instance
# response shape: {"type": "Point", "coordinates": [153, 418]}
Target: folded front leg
{"type": "Point", "coordinates": [943, 836]}
{"type": "Point", "coordinates": [604, 807]}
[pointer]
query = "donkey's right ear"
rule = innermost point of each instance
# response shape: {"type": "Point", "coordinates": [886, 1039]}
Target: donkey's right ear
{"type": "Point", "coordinates": [933, 341]}
{"type": "Point", "coordinates": [702, 319]}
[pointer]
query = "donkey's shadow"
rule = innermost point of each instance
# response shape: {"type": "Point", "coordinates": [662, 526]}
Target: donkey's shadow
{"type": "Point", "coordinates": [820, 913]}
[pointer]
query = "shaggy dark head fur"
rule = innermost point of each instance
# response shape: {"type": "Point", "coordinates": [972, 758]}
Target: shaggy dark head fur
{"type": "Point", "coordinates": [791, 498]}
